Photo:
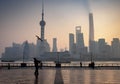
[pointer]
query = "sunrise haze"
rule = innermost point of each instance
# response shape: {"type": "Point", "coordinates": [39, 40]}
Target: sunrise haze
{"type": "Point", "coordinates": [19, 20]}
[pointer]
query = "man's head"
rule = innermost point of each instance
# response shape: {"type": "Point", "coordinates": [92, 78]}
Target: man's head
{"type": "Point", "coordinates": [34, 58]}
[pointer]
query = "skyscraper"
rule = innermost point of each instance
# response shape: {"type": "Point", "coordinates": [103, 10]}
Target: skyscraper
{"type": "Point", "coordinates": [42, 22]}
{"type": "Point", "coordinates": [42, 46]}
{"type": "Point", "coordinates": [104, 50]}
{"type": "Point", "coordinates": [115, 48]}
{"type": "Point", "coordinates": [101, 46]}
{"type": "Point", "coordinates": [71, 41]}
{"type": "Point", "coordinates": [54, 45]}
{"type": "Point", "coordinates": [26, 51]}
{"type": "Point", "coordinates": [80, 47]}
{"type": "Point", "coordinates": [91, 33]}
{"type": "Point", "coordinates": [91, 27]}
{"type": "Point", "coordinates": [79, 37]}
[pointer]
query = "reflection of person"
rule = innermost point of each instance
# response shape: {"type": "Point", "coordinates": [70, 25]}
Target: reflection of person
{"type": "Point", "coordinates": [36, 79]}
{"type": "Point", "coordinates": [36, 66]}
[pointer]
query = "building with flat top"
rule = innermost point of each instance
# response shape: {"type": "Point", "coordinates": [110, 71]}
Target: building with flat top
{"type": "Point", "coordinates": [54, 45]}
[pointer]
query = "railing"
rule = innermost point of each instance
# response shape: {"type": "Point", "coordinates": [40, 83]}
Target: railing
{"type": "Point", "coordinates": [62, 64]}
{"type": "Point", "coordinates": [27, 64]}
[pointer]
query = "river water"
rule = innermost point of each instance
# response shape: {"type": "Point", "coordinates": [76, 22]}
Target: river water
{"type": "Point", "coordinates": [59, 76]}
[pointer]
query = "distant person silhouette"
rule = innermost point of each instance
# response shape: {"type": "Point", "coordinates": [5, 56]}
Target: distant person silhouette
{"type": "Point", "coordinates": [8, 66]}
{"type": "Point", "coordinates": [36, 66]}
{"type": "Point", "coordinates": [92, 65]}
{"type": "Point", "coordinates": [80, 64]}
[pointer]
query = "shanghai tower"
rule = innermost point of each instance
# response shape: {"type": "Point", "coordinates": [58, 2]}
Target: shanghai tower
{"type": "Point", "coordinates": [91, 33]}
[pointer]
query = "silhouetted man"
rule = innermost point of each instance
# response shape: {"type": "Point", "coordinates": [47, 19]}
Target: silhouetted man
{"type": "Point", "coordinates": [36, 66]}
{"type": "Point", "coordinates": [80, 64]}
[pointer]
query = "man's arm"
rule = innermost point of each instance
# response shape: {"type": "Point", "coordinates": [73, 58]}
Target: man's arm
{"type": "Point", "coordinates": [38, 61]}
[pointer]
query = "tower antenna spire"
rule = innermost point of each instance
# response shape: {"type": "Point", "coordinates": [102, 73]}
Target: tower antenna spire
{"type": "Point", "coordinates": [42, 9]}
{"type": "Point", "coordinates": [42, 22]}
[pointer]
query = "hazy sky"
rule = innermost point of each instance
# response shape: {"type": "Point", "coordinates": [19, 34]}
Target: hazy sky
{"type": "Point", "coordinates": [19, 20]}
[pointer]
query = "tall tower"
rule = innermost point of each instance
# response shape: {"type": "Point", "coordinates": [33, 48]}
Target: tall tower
{"type": "Point", "coordinates": [91, 27]}
{"type": "Point", "coordinates": [91, 33]}
{"type": "Point", "coordinates": [42, 46]}
{"type": "Point", "coordinates": [54, 45]}
{"type": "Point", "coordinates": [42, 22]}
{"type": "Point", "coordinates": [79, 37]}
{"type": "Point", "coordinates": [115, 47]}
{"type": "Point", "coordinates": [71, 42]}
{"type": "Point", "coordinates": [26, 51]}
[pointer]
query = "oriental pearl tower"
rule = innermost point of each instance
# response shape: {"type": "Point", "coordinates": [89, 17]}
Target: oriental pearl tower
{"type": "Point", "coordinates": [42, 22]}
{"type": "Point", "coordinates": [42, 44]}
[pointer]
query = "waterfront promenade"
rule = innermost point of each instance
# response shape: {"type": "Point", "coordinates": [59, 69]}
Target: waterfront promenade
{"type": "Point", "coordinates": [68, 73]}
{"type": "Point", "coordinates": [85, 65]}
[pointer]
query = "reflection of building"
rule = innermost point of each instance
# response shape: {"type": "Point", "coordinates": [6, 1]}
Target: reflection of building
{"type": "Point", "coordinates": [54, 45]}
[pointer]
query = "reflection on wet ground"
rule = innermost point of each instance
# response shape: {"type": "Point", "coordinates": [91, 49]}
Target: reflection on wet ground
{"type": "Point", "coordinates": [59, 76]}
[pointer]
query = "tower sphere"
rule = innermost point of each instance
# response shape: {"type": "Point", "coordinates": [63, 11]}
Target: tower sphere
{"type": "Point", "coordinates": [42, 23]}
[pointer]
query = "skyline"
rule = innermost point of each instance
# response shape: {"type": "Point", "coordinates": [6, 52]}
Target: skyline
{"type": "Point", "coordinates": [19, 17]}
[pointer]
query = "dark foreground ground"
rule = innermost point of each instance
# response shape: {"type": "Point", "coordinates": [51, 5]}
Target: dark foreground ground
{"type": "Point", "coordinates": [59, 76]}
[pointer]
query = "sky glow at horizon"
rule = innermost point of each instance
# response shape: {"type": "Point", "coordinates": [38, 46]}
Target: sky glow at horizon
{"type": "Point", "coordinates": [20, 20]}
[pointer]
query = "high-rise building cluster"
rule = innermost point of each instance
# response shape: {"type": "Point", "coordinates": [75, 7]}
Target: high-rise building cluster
{"type": "Point", "coordinates": [28, 51]}
{"type": "Point", "coordinates": [22, 51]}
{"type": "Point", "coordinates": [103, 50]}
{"type": "Point", "coordinates": [98, 49]}
{"type": "Point", "coordinates": [78, 47]}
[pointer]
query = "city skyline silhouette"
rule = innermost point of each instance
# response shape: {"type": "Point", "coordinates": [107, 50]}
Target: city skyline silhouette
{"type": "Point", "coordinates": [22, 23]}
